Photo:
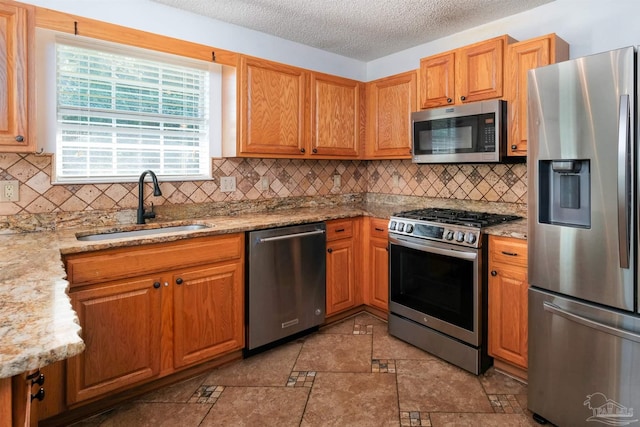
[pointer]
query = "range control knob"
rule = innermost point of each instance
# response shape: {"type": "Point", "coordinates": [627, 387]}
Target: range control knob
{"type": "Point", "coordinates": [392, 226]}
{"type": "Point", "coordinates": [401, 227]}
{"type": "Point", "coordinates": [471, 238]}
{"type": "Point", "coordinates": [409, 228]}
{"type": "Point", "coordinates": [448, 235]}
{"type": "Point", "coordinates": [460, 236]}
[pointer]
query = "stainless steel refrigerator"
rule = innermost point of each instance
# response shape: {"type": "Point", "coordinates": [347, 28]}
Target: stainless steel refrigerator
{"type": "Point", "coordinates": [584, 319]}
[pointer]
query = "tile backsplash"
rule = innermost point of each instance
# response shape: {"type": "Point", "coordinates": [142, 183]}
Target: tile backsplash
{"type": "Point", "coordinates": [286, 178]}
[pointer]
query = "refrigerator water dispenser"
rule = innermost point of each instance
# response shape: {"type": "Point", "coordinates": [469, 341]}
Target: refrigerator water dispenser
{"type": "Point", "coordinates": [564, 196]}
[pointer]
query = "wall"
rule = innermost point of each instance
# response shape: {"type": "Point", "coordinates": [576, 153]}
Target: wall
{"type": "Point", "coordinates": [288, 178]}
{"type": "Point", "coordinates": [589, 26]}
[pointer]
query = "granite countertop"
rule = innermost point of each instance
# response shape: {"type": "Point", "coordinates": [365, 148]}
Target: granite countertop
{"type": "Point", "coordinates": [38, 325]}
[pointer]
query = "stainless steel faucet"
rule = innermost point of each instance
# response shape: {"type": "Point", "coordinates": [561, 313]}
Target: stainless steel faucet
{"type": "Point", "coordinates": [142, 215]}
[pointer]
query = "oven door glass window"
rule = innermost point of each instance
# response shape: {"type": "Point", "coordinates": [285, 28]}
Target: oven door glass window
{"type": "Point", "coordinates": [437, 285]}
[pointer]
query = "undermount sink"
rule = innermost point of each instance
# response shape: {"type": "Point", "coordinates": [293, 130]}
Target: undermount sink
{"type": "Point", "coordinates": [109, 235]}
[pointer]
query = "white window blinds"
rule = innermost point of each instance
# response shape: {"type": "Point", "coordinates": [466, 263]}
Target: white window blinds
{"type": "Point", "coordinates": [119, 114]}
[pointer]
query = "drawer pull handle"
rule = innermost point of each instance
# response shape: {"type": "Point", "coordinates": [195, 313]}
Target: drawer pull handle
{"type": "Point", "coordinates": [379, 229]}
{"type": "Point", "coordinates": [339, 230]}
{"type": "Point", "coordinates": [38, 380]}
{"type": "Point", "coordinates": [509, 253]}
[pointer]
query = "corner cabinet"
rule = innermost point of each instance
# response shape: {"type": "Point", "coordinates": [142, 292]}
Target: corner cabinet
{"type": "Point", "coordinates": [17, 74]}
{"type": "Point", "coordinates": [343, 262]}
{"type": "Point", "coordinates": [390, 102]}
{"type": "Point", "coordinates": [376, 265]}
{"type": "Point", "coordinates": [151, 310]}
{"type": "Point", "coordinates": [508, 302]}
{"type": "Point", "coordinates": [468, 74]}
{"type": "Point", "coordinates": [522, 57]}
{"type": "Point", "coordinates": [291, 112]}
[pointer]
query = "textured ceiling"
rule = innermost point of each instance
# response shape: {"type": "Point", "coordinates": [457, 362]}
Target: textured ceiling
{"type": "Point", "coordinates": [359, 29]}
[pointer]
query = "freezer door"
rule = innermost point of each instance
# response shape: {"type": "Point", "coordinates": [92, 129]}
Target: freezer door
{"type": "Point", "coordinates": [583, 362]}
{"type": "Point", "coordinates": [580, 173]}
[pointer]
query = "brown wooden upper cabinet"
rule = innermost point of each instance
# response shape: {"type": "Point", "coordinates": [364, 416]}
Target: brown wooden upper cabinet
{"type": "Point", "coordinates": [290, 112]}
{"type": "Point", "coordinates": [390, 102]}
{"type": "Point", "coordinates": [468, 74]}
{"type": "Point", "coordinates": [522, 57]}
{"type": "Point", "coordinates": [17, 92]}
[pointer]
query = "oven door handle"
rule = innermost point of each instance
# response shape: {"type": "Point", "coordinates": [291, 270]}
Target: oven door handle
{"type": "Point", "coordinates": [456, 253]}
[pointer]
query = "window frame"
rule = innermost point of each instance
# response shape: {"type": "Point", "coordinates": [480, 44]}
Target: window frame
{"type": "Point", "coordinates": [46, 105]}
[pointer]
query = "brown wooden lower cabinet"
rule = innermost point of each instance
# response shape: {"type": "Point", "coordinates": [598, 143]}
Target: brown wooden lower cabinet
{"type": "Point", "coordinates": [187, 308]}
{"type": "Point", "coordinates": [508, 286]}
{"type": "Point", "coordinates": [376, 264]}
{"type": "Point", "coordinates": [343, 259]}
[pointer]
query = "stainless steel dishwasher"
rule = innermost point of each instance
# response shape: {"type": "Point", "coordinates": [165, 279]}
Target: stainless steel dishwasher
{"type": "Point", "coordinates": [286, 274]}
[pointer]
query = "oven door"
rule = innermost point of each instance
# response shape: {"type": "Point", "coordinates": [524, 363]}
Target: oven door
{"type": "Point", "coordinates": [437, 285]}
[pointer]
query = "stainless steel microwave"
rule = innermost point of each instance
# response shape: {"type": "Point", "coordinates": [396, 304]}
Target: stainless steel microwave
{"type": "Point", "coordinates": [469, 133]}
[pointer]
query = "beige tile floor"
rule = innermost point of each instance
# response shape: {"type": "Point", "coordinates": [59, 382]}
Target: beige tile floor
{"type": "Point", "coordinates": [348, 374]}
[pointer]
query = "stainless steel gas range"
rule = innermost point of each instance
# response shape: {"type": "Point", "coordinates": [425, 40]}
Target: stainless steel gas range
{"type": "Point", "coordinates": [437, 286]}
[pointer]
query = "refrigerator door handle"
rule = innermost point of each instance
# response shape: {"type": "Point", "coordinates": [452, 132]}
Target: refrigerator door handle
{"type": "Point", "coordinates": [554, 309]}
{"type": "Point", "coordinates": [623, 181]}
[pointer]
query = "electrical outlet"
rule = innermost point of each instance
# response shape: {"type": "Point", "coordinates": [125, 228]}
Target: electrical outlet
{"type": "Point", "coordinates": [228, 184]}
{"type": "Point", "coordinates": [264, 183]}
{"type": "Point", "coordinates": [396, 180]}
{"type": "Point", "coordinates": [337, 181]}
{"type": "Point", "coordinates": [9, 191]}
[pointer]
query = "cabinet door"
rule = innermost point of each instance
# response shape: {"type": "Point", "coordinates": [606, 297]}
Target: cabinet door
{"type": "Point", "coordinates": [437, 80]}
{"type": "Point", "coordinates": [390, 103]}
{"type": "Point", "coordinates": [508, 310]}
{"type": "Point", "coordinates": [341, 277]}
{"type": "Point", "coordinates": [335, 116]}
{"type": "Point", "coordinates": [121, 329]}
{"type": "Point", "coordinates": [272, 109]}
{"type": "Point", "coordinates": [379, 268]}
{"type": "Point", "coordinates": [16, 78]}
{"type": "Point", "coordinates": [479, 70]}
{"type": "Point", "coordinates": [208, 312]}
{"type": "Point", "coordinates": [522, 57]}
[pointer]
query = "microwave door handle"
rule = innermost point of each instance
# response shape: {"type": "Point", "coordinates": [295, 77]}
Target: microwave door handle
{"type": "Point", "coordinates": [623, 181]}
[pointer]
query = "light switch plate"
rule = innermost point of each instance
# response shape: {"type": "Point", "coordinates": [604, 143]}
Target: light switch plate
{"type": "Point", "coordinates": [264, 183]}
{"type": "Point", "coordinates": [9, 191]}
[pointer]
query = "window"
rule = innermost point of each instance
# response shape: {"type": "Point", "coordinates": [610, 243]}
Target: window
{"type": "Point", "coordinates": [122, 110]}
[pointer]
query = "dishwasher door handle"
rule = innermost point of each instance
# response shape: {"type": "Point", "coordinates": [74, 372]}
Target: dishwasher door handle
{"type": "Point", "coordinates": [290, 236]}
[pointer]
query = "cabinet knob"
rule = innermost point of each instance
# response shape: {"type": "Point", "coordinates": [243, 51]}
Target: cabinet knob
{"type": "Point", "coordinates": [514, 147]}
{"type": "Point", "coordinates": [462, 98]}
{"type": "Point", "coordinates": [315, 151]}
{"type": "Point", "coordinates": [39, 395]}
{"type": "Point", "coordinates": [179, 280]}
{"type": "Point", "coordinates": [449, 100]}
{"type": "Point", "coordinates": [494, 273]}
{"type": "Point", "coordinates": [156, 285]}
{"type": "Point", "coordinates": [19, 138]}
{"type": "Point", "coordinates": [329, 250]}
{"type": "Point", "coordinates": [38, 380]}
{"type": "Point", "coordinates": [302, 150]}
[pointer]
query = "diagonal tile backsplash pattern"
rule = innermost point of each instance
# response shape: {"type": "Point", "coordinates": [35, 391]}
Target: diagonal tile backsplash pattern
{"type": "Point", "coordinates": [286, 178]}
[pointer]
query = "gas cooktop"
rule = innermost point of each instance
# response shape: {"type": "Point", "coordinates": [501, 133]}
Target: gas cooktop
{"type": "Point", "coordinates": [459, 217]}
{"type": "Point", "coordinates": [453, 226]}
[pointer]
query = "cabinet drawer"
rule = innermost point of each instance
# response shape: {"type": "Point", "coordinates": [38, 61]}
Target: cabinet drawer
{"type": "Point", "coordinates": [339, 229]}
{"type": "Point", "coordinates": [508, 250]}
{"type": "Point", "coordinates": [378, 228]}
{"type": "Point", "coordinates": [118, 263]}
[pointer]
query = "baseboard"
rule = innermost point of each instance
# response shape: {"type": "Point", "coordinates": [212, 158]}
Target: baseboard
{"type": "Point", "coordinates": [510, 370]}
